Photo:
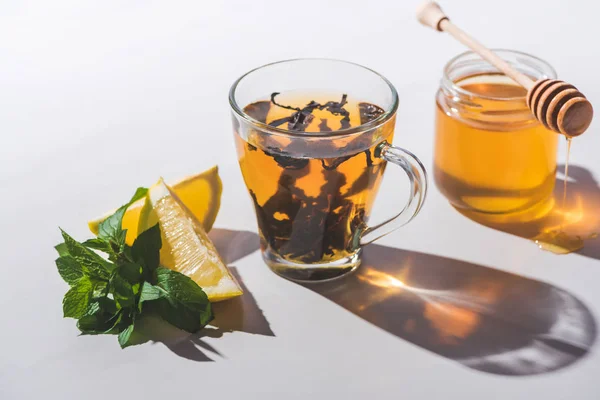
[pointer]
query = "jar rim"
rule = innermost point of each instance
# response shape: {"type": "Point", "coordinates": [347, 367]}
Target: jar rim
{"type": "Point", "coordinates": [544, 69]}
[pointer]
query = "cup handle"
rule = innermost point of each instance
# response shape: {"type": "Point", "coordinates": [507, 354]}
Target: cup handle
{"type": "Point", "coordinates": [418, 190]}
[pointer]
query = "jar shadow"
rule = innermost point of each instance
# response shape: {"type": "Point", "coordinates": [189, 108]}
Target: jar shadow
{"type": "Point", "coordinates": [482, 318]}
{"type": "Point", "coordinates": [576, 214]}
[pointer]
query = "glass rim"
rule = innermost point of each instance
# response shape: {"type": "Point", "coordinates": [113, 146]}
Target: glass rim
{"type": "Point", "coordinates": [380, 120]}
{"type": "Point", "coordinates": [446, 81]}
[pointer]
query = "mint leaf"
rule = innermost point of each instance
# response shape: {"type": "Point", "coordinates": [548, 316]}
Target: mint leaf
{"type": "Point", "coordinates": [69, 269]}
{"type": "Point", "coordinates": [99, 322]}
{"type": "Point", "coordinates": [146, 249]}
{"type": "Point", "coordinates": [125, 336]}
{"type": "Point", "coordinates": [92, 263]}
{"type": "Point", "coordinates": [76, 300]}
{"type": "Point", "coordinates": [149, 292]}
{"type": "Point", "coordinates": [108, 305]}
{"type": "Point", "coordinates": [122, 291]}
{"type": "Point", "coordinates": [100, 289]}
{"type": "Point", "coordinates": [131, 272]}
{"type": "Point", "coordinates": [62, 250]}
{"type": "Point", "coordinates": [93, 308]}
{"type": "Point", "coordinates": [182, 303]}
{"type": "Point", "coordinates": [111, 228]}
{"type": "Point", "coordinates": [131, 337]}
{"type": "Point", "coordinates": [98, 244]}
{"type": "Point", "coordinates": [93, 325]}
{"type": "Point", "coordinates": [102, 316]}
{"type": "Point", "coordinates": [125, 284]}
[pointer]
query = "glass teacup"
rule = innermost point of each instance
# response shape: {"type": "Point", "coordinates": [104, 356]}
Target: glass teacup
{"type": "Point", "coordinates": [313, 140]}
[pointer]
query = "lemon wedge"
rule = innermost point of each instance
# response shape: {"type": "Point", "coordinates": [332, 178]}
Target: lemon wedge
{"type": "Point", "coordinates": [200, 193]}
{"type": "Point", "coordinates": [186, 247]}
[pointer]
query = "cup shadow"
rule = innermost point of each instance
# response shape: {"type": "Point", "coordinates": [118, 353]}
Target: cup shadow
{"type": "Point", "coordinates": [482, 318]}
{"type": "Point", "coordinates": [241, 314]}
{"type": "Point", "coordinates": [578, 215]}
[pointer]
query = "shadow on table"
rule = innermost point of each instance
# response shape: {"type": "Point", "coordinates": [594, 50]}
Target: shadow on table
{"type": "Point", "coordinates": [579, 215]}
{"type": "Point", "coordinates": [240, 314]}
{"type": "Point", "coordinates": [483, 318]}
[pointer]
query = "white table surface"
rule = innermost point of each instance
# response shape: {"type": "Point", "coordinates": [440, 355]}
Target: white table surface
{"type": "Point", "coordinates": [99, 97]}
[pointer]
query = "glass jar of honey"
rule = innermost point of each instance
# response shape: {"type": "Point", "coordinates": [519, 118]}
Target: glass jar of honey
{"type": "Point", "coordinates": [491, 155]}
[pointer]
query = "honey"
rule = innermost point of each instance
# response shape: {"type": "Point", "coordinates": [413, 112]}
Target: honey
{"type": "Point", "coordinates": [491, 156]}
{"type": "Point", "coordinates": [575, 219]}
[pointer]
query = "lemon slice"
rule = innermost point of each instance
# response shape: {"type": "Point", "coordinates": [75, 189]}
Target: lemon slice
{"type": "Point", "coordinates": [200, 193]}
{"type": "Point", "coordinates": [186, 247]}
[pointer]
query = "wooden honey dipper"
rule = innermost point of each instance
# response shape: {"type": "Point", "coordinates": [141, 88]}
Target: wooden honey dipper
{"type": "Point", "coordinates": [556, 104]}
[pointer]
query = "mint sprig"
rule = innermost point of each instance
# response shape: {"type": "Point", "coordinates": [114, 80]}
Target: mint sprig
{"type": "Point", "coordinates": [109, 294]}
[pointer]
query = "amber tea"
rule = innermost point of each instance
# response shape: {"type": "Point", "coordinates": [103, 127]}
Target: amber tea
{"type": "Point", "coordinates": [312, 210]}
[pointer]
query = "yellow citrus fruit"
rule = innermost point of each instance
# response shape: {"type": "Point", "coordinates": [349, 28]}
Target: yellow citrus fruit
{"type": "Point", "coordinates": [200, 193]}
{"type": "Point", "coordinates": [186, 247]}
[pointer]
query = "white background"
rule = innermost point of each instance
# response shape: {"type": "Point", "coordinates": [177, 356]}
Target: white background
{"type": "Point", "coordinates": [99, 97]}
